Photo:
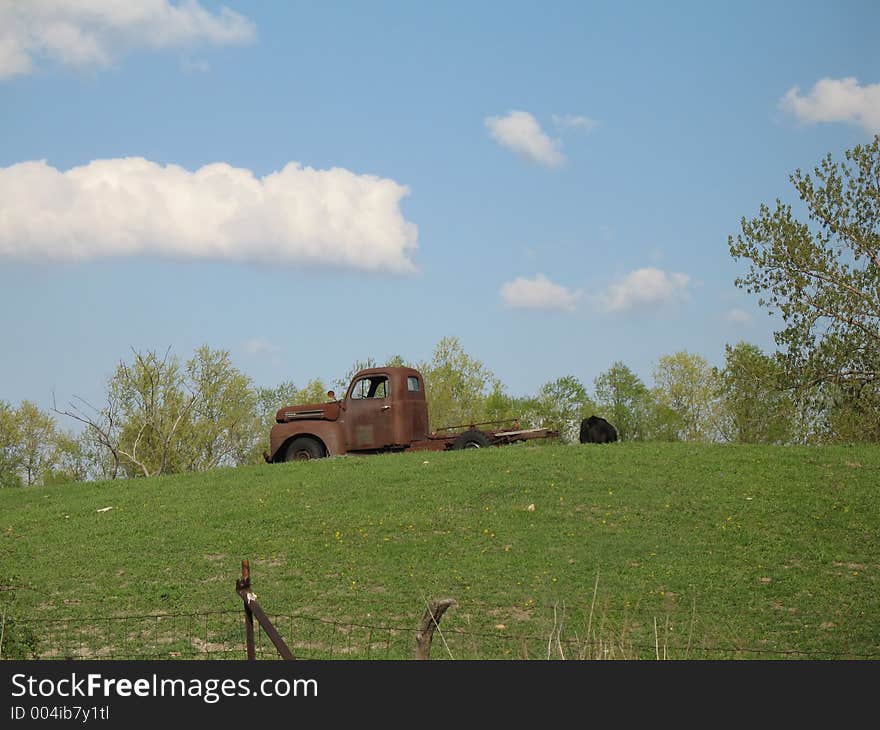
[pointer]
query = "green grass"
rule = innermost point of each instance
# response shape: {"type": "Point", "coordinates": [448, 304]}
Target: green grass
{"type": "Point", "coordinates": [732, 551]}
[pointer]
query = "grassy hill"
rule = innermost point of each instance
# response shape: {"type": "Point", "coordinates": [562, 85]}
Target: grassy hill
{"type": "Point", "coordinates": [631, 550]}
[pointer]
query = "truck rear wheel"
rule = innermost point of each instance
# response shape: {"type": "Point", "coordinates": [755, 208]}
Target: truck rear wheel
{"type": "Point", "coordinates": [303, 448]}
{"type": "Point", "coordinates": [472, 439]}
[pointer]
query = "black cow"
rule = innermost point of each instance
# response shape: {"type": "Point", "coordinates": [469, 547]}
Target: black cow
{"type": "Point", "coordinates": [595, 430]}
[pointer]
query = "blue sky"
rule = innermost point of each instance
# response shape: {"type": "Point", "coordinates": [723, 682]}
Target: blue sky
{"type": "Point", "coordinates": [554, 184]}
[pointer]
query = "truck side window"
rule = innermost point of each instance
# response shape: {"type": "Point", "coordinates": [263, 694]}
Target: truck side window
{"type": "Point", "coordinates": [412, 383]}
{"type": "Point", "coordinates": [378, 388]}
{"type": "Point", "coordinates": [375, 386]}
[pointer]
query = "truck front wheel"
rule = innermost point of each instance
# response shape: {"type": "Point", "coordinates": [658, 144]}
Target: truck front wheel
{"type": "Point", "coordinates": [303, 448]}
{"type": "Point", "coordinates": [472, 439]}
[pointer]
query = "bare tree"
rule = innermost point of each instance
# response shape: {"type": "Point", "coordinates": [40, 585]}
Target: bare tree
{"type": "Point", "coordinates": [146, 407]}
{"type": "Point", "coordinates": [102, 424]}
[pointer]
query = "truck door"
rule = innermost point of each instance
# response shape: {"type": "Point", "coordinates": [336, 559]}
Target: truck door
{"type": "Point", "coordinates": [368, 413]}
{"type": "Point", "coordinates": [411, 420]}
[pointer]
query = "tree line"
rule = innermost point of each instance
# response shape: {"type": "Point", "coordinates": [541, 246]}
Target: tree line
{"type": "Point", "coordinates": [161, 415]}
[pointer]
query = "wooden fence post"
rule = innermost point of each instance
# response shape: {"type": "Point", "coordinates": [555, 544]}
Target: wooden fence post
{"type": "Point", "coordinates": [430, 623]}
{"type": "Point", "coordinates": [243, 588]}
{"type": "Point", "coordinates": [251, 609]}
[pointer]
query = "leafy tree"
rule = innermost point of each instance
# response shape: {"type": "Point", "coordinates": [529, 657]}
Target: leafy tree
{"type": "Point", "coordinates": [500, 406]}
{"type": "Point", "coordinates": [822, 274]}
{"type": "Point", "coordinates": [74, 460]}
{"type": "Point", "coordinates": [156, 409]}
{"type": "Point", "coordinates": [219, 425]}
{"type": "Point", "coordinates": [756, 406]}
{"type": "Point", "coordinates": [457, 385]}
{"type": "Point", "coordinates": [625, 400]}
{"type": "Point", "coordinates": [664, 423]}
{"type": "Point", "coordinates": [269, 401]}
{"type": "Point", "coordinates": [562, 404]}
{"type": "Point", "coordinates": [685, 388]}
{"type": "Point", "coordinates": [160, 417]}
{"type": "Point", "coordinates": [397, 361]}
{"type": "Point", "coordinates": [32, 449]}
{"type": "Point", "coordinates": [9, 451]}
{"type": "Point", "coordinates": [845, 412]}
{"type": "Point", "coordinates": [36, 446]}
{"type": "Point", "coordinates": [315, 391]}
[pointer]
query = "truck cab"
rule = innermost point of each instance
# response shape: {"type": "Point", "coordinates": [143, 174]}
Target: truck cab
{"type": "Point", "coordinates": [384, 409]}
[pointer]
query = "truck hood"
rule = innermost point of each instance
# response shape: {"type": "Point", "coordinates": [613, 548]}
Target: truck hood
{"type": "Point", "coordinates": [309, 412]}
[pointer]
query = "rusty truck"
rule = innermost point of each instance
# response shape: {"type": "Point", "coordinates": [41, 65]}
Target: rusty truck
{"type": "Point", "coordinates": [383, 410]}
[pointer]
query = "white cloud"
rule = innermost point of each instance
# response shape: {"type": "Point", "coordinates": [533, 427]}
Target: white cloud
{"type": "Point", "coordinates": [836, 100]}
{"type": "Point", "coordinates": [260, 346]}
{"type": "Point", "coordinates": [86, 33]}
{"type": "Point", "coordinates": [575, 121]}
{"type": "Point", "coordinates": [538, 293]}
{"type": "Point", "coordinates": [738, 316]}
{"type": "Point", "coordinates": [520, 131]}
{"type": "Point", "coordinates": [132, 206]}
{"type": "Point", "coordinates": [645, 288]}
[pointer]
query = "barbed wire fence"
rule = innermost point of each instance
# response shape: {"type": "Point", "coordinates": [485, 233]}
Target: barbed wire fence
{"type": "Point", "coordinates": [221, 635]}
{"type": "Point", "coordinates": [470, 630]}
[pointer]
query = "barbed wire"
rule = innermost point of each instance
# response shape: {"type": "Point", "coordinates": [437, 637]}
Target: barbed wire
{"type": "Point", "coordinates": [194, 634]}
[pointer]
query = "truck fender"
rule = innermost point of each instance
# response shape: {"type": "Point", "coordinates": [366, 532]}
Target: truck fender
{"type": "Point", "coordinates": [325, 432]}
